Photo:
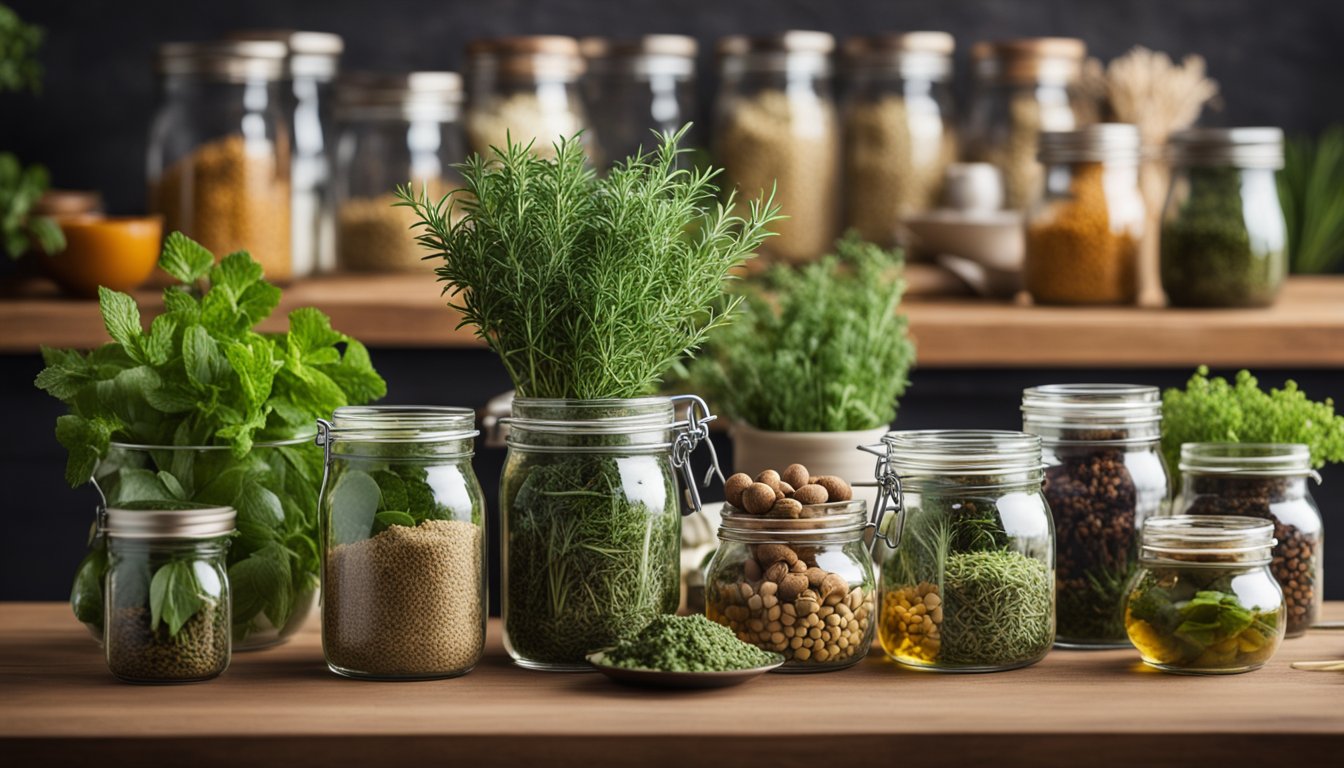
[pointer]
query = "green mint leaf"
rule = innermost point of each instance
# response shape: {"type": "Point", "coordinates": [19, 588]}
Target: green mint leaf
{"type": "Point", "coordinates": [172, 399]}
{"type": "Point", "coordinates": [137, 485]}
{"type": "Point", "coordinates": [262, 583]}
{"type": "Point", "coordinates": [174, 596]}
{"type": "Point", "coordinates": [391, 488]}
{"type": "Point", "coordinates": [310, 331]}
{"type": "Point", "coordinates": [172, 486]}
{"type": "Point", "coordinates": [121, 317]}
{"type": "Point", "coordinates": [182, 306]}
{"type": "Point", "coordinates": [159, 346]}
{"type": "Point", "coordinates": [86, 440]}
{"type": "Point", "coordinates": [255, 365]}
{"type": "Point", "coordinates": [185, 259]}
{"type": "Point", "coordinates": [258, 301]}
{"type": "Point", "coordinates": [354, 502]}
{"type": "Point", "coordinates": [201, 356]}
{"type": "Point", "coordinates": [259, 504]}
{"type": "Point", "coordinates": [66, 373]}
{"type": "Point", "coordinates": [86, 596]}
{"type": "Point", "coordinates": [235, 273]}
{"type": "Point", "coordinates": [384, 520]}
{"type": "Point", "coordinates": [356, 376]}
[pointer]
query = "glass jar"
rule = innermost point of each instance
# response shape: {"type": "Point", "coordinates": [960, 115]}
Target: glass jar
{"type": "Point", "coordinates": [219, 157]}
{"type": "Point", "coordinates": [633, 90]}
{"type": "Point", "coordinates": [1224, 239]}
{"type": "Point", "coordinates": [167, 601]}
{"type": "Point", "coordinates": [1266, 481]}
{"type": "Point", "coordinates": [1083, 237]}
{"type": "Point", "coordinates": [968, 573]}
{"type": "Point", "coordinates": [776, 128]}
{"type": "Point", "coordinates": [802, 588]}
{"type": "Point", "coordinates": [1204, 601]}
{"type": "Point", "coordinates": [591, 523]}
{"type": "Point", "coordinates": [1022, 87]}
{"type": "Point", "coordinates": [393, 129]}
{"type": "Point", "coordinates": [403, 543]}
{"type": "Point", "coordinates": [899, 129]}
{"type": "Point", "coordinates": [1104, 476]}
{"type": "Point", "coordinates": [526, 89]}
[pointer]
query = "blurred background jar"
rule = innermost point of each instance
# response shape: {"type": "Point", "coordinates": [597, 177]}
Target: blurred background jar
{"type": "Point", "coordinates": [633, 89]}
{"type": "Point", "coordinates": [775, 127]}
{"type": "Point", "coordinates": [1022, 87]}
{"type": "Point", "coordinates": [219, 156]}
{"type": "Point", "coordinates": [1224, 240]}
{"type": "Point", "coordinates": [392, 129]}
{"type": "Point", "coordinates": [899, 129]}
{"type": "Point", "coordinates": [526, 88]}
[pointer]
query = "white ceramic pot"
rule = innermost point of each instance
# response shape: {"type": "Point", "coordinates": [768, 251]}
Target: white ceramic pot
{"type": "Point", "coordinates": [823, 453]}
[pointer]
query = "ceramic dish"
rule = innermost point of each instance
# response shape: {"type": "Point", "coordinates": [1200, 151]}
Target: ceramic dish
{"type": "Point", "coordinates": [653, 678]}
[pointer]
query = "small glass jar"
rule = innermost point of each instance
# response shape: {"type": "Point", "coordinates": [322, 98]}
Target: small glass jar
{"type": "Point", "coordinates": [1083, 237]}
{"type": "Point", "coordinates": [634, 90]}
{"type": "Point", "coordinates": [802, 588]}
{"type": "Point", "coordinates": [1022, 87]}
{"type": "Point", "coordinates": [167, 604]}
{"type": "Point", "coordinates": [899, 129]}
{"type": "Point", "coordinates": [1224, 239]}
{"type": "Point", "coordinates": [219, 156]}
{"type": "Point", "coordinates": [776, 128]}
{"type": "Point", "coordinates": [393, 129]}
{"type": "Point", "coordinates": [1204, 601]}
{"type": "Point", "coordinates": [968, 573]}
{"type": "Point", "coordinates": [525, 89]}
{"type": "Point", "coordinates": [1266, 481]}
{"type": "Point", "coordinates": [403, 543]}
{"type": "Point", "coordinates": [1104, 476]}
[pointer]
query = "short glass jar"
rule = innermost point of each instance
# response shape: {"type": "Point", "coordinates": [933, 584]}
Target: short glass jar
{"type": "Point", "coordinates": [403, 543]}
{"type": "Point", "coordinates": [1266, 481]}
{"type": "Point", "coordinates": [802, 587]}
{"type": "Point", "coordinates": [1082, 238]}
{"type": "Point", "coordinates": [167, 603]}
{"type": "Point", "coordinates": [635, 89]}
{"type": "Point", "coordinates": [525, 89]}
{"type": "Point", "coordinates": [1224, 239]}
{"type": "Point", "coordinates": [1204, 601]}
{"type": "Point", "coordinates": [393, 130]}
{"type": "Point", "coordinates": [969, 584]}
{"type": "Point", "coordinates": [1104, 476]}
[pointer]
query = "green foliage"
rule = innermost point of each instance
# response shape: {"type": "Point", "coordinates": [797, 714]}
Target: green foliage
{"type": "Point", "coordinates": [364, 502]}
{"type": "Point", "coordinates": [587, 287]}
{"type": "Point", "coordinates": [1311, 190]}
{"type": "Point", "coordinates": [20, 189]}
{"type": "Point", "coordinates": [818, 348]}
{"type": "Point", "coordinates": [19, 68]}
{"type": "Point", "coordinates": [174, 596]}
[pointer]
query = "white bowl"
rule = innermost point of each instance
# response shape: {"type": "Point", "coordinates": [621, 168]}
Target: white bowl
{"type": "Point", "coordinates": [993, 239]}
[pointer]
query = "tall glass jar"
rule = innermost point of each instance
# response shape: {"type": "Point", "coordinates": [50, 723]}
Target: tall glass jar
{"type": "Point", "coordinates": [969, 585]}
{"type": "Point", "coordinates": [1022, 87]}
{"type": "Point", "coordinates": [1224, 239]}
{"type": "Point", "coordinates": [591, 523]}
{"type": "Point", "coordinates": [219, 156]}
{"type": "Point", "coordinates": [527, 89]}
{"type": "Point", "coordinates": [393, 129]}
{"type": "Point", "coordinates": [1204, 601]}
{"type": "Point", "coordinates": [776, 128]}
{"type": "Point", "coordinates": [633, 90]}
{"type": "Point", "coordinates": [403, 543]}
{"type": "Point", "coordinates": [899, 129]}
{"type": "Point", "coordinates": [1083, 237]}
{"type": "Point", "coordinates": [1104, 476]}
{"type": "Point", "coordinates": [1266, 481]}
{"type": "Point", "coordinates": [167, 604]}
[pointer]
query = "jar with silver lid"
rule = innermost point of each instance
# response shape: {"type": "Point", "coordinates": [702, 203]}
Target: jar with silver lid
{"type": "Point", "coordinates": [525, 89]}
{"type": "Point", "coordinates": [636, 89]}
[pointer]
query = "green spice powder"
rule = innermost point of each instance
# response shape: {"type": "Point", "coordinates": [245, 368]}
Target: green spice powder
{"type": "Point", "coordinates": [687, 644]}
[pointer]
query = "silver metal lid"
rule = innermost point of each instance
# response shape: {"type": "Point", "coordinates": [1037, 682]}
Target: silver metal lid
{"type": "Point", "coordinates": [1092, 404]}
{"type": "Point", "coordinates": [1207, 540]}
{"type": "Point", "coordinates": [962, 452]}
{"type": "Point", "coordinates": [311, 54]}
{"type": "Point", "coordinates": [229, 60]}
{"type": "Point", "coordinates": [1103, 142]}
{"type": "Point", "coordinates": [403, 423]}
{"type": "Point", "coordinates": [167, 520]}
{"type": "Point", "coordinates": [1241, 147]}
{"type": "Point", "coordinates": [526, 57]}
{"type": "Point", "coordinates": [422, 95]}
{"type": "Point", "coordinates": [1248, 459]}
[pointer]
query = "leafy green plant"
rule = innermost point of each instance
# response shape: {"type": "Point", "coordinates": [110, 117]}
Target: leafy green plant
{"type": "Point", "coordinates": [1311, 189]}
{"type": "Point", "coordinates": [819, 348]}
{"type": "Point", "coordinates": [21, 187]}
{"type": "Point", "coordinates": [19, 67]}
{"type": "Point", "coordinates": [174, 596]}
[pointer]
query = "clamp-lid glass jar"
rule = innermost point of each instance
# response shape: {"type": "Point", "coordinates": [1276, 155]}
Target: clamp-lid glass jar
{"type": "Point", "coordinates": [634, 89]}
{"type": "Point", "coordinates": [1204, 601]}
{"type": "Point", "coordinates": [1104, 475]}
{"type": "Point", "coordinates": [167, 603]}
{"type": "Point", "coordinates": [403, 543]}
{"type": "Point", "coordinates": [525, 89]}
{"type": "Point", "coordinates": [1266, 481]}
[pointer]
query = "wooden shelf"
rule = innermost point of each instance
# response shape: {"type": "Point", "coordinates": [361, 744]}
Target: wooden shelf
{"type": "Point", "coordinates": [1305, 329]}
{"type": "Point", "coordinates": [282, 707]}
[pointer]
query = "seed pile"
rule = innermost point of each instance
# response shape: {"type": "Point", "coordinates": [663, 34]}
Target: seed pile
{"type": "Point", "coordinates": [911, 622]}
{"type": "Point", "coordinates": [375, 235]}
{"type": "Point", "coordinates": [1077, 252]}
{"type": "Point", "coordinates": [894, 163]}
{"type": "Point", "coordinates": [199, 650]}
{"type": "Point", "coordinates": [406, 602]}
{"type": "Point", "coordinates": [522, 117]}
{"type": "Point", "coordinates": [686, 644]}
{"type": "Point", "coordinates": [793, 494]}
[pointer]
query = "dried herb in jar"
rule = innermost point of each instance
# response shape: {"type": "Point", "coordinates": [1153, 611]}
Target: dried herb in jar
{"type": "Point", "coordinates": [1076, 253]}
{"type": "Point", "coordinates": [139, 649]}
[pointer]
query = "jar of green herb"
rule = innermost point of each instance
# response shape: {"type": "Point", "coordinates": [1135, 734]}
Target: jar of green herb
{"type": "Point", "coordinates": [1224, 240]}
{"type": "Point", "coordinates": [167, 603]}
{"type": "Point", "coordinates": [968, 565]}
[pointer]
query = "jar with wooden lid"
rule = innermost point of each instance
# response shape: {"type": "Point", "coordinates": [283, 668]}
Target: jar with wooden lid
{"type": "Point", "coordinates": [634, 89]}
{"type": "Point", "coordinates": [527, 89]}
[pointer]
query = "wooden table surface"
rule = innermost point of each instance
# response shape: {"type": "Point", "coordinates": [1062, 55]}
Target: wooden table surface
{"type": "Point", "coordinates": [1305, 329]}
{"type": "Point", "coordinates": [59, 705]}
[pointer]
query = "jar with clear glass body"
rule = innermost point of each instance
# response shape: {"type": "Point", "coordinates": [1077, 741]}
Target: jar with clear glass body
{"type": "Point", "coordinates": [403, 543]}
{"type": "Point", "coordinates": [802, 588]}
{"type": "Point", "coordinates": [1204, 601]}
{"type": "Point", "coordinates": [900, 131]}
{"type": "Point", "coordinates": [219, 155]}
{"type": "Point", "coordinates": [1266, 481]}
{"type": "Point", "coordinates": [393, 129]}
{"type": "Point", "coordinates": [1104, 476]}
{"type": "Point", "coordinates": [591, 523]}
{"type": "Point", "coordinates": [1082, 238]}
{"type": "Point", "coordinates": [1022, 87]}
{"type": "Point", "coordinates": [1224, 239]}
{"type": "Point", "coordinates": [968, 567]}
{"type": "Point", "coordinates": [633, 90]}
{"type": "Point", "coordinates": [776, 128]}
{"type": "Point", "coordinates": [167, 603]}
{"type": "Point", "coordinates": [527, 89]}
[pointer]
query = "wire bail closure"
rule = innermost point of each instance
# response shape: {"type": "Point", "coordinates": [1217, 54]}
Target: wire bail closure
{"type": "Point", "coordinates": [888, 493]}
{"type": "Point", "coordinates": [690, 433]}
